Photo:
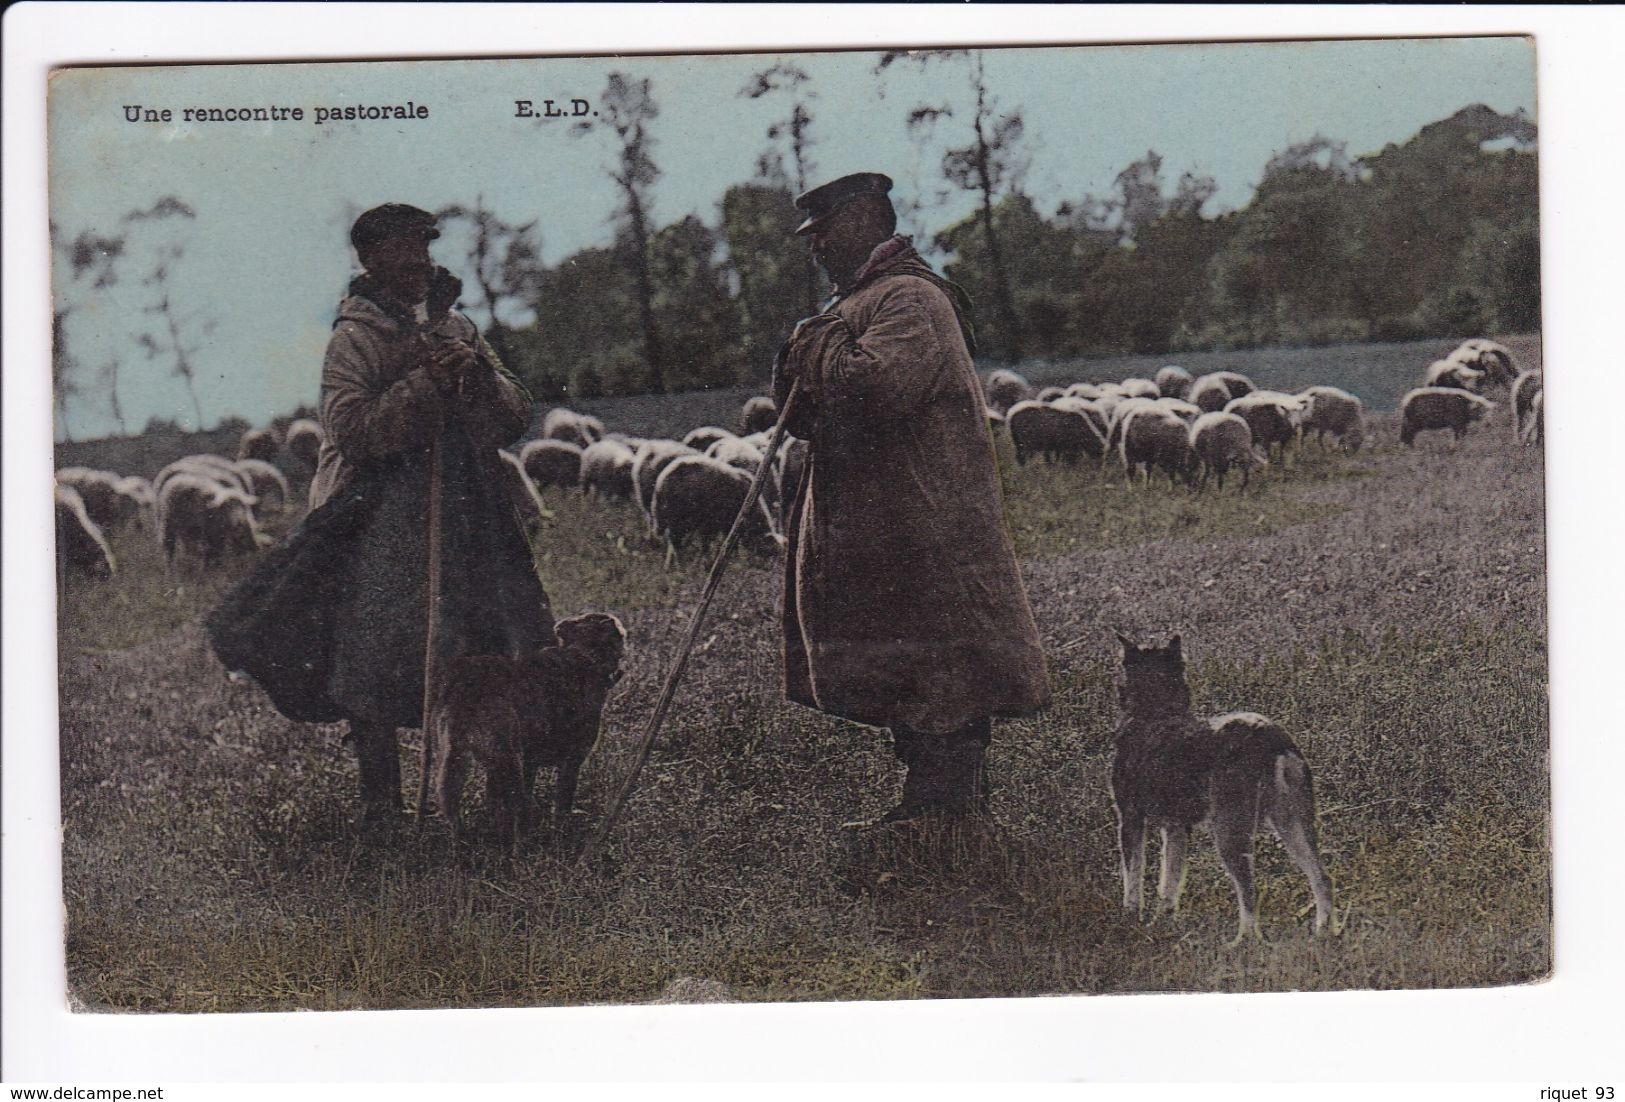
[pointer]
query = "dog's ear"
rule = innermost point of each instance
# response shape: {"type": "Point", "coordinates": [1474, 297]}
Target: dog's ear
{"type": "Point", "coordinates": [1129, 645]}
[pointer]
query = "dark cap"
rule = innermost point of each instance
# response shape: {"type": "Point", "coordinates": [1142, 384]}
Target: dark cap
{"type": "Point", "coordinates": [392, 220]}
{"type": "Point", "coordinates": [821, 202]}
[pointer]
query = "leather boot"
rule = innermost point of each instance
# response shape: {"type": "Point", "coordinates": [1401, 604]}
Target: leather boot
{"type": "Point", "coordinates": [379, 760]}
{"type": "Point", "coordinates": [964, 783]}
{"type": "Point", "coordinates": [913, 750]}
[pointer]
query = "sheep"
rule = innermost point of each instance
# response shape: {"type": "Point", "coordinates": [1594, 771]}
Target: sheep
{"type": "Point", "coordinates": [606, 469]}
{"type": "Point", "coordinates": [1239, 384]}
{"type": "Point", "coordinates": [1173, 381]}
{"type": "Point", "coordinates": [1493, 360]}
{"type": "Point", "coordinates": [1433, 407]}
{"type": "Point", "coordinates": [1334, 411]}
{"type": "Point", "coordinates": [551, 463]}
{"type": "Point", "coordinates": [1153, 437]}
{"type": "Point", "coordinates": [80, 543]}
{"type": "Point", "coordinates": [567, 424]}
{"type": "Point", "coordinates": [198, 514]}
{"type": "Point", "coordinates": [304, 441]}
{"type": "Point", "coordinates": [103, 502]}
{"type": "Point", "coordinates": [1210, 393]}
{"type": "Point", "coordinates": [139, 491]}
{"type": "Point", "coordinates": [264, 481]}
{"type": "Point", "coordinates": [1187, 411]}
{"type": "Point", "coordinates": [650, 460]}
{"type": "Point", "coordinates": [1093, 414]}
{"type": "Point", "coordinates": [1119, 415]}
{"type": "Point", "coordinates": [1453, 373]}
{"type": "Point", "coordinates": [758, 414]}
{"type": "Point", "coordinates": [1221, 441]}
{"type": "Point", "coordinates": [1052, 431]}
{"type": "Point", "coordinates": [699, 497]}
{"type": "Point", "coordinates": [258, 444]}
{"type": "Point", "coordinates": [1086, 391]}
{"type": "Point", "coordinates": [1139, 388]}
{"type": "Point", "coordinates": [215, 467]}
{"type": "Point", "coordinates": [1537, 418]}
{"type": "Point", "coordinates": [1003, 388]}
{"type": "Point", "coordinates": [995, 419]}
{"type": "Point", "coordinates": [737, 453]}
{"type": "Point", "coordinates": [1525, 388]}
{"type": "Point", "coordinates": [703, 437]}
{"type": "Point", "coordinates": [517, 485]}
{"type": "Point", "coordinates": [1050, 393]}
{"type": "Point", "coordinates": [1272, 416]}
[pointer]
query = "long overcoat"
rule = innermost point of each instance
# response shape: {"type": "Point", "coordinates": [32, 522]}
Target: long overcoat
{"type": "Point", "coordinates": [903, 604]}
{"type": "Point", "coordinates": [332, 623]}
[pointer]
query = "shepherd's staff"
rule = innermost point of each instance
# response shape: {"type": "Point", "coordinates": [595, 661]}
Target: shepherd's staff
{"type": "Point", "coordinates": [435, 613]}
{"type": "Point", "coordinates": [681, 663]}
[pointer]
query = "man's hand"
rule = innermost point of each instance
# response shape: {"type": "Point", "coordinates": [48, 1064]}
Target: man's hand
{"type": "Point", "coordinates": [450, 361]}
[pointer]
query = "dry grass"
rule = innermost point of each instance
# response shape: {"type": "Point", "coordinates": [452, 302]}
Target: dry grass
{"type": "Point", "coordinates": [1388, 609]}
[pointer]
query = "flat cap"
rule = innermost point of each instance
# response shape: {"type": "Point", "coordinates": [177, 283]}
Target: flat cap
{"type": "Point", "coordinates": [825, 200]}
{"type": "Point", "coordinates": [392, 220]}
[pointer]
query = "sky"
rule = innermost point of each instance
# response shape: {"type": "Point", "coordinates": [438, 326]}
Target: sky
{"type": "Point", "coordinates": [266, 258]}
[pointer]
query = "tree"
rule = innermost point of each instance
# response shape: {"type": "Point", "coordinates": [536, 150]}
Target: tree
{"type": "Point", "coordinates": [92, 264]}
{"type": "Point", "coordinates": [175, 335]}
{"type": "Point", "coordinates": [788, 79]}
{"type": "Point", "coordinates": [627, 109]}
{"type": "Point", "coordinates": [769, 267]}
{"type": "Point", "coordinates": [693, 306]}
{"type": "Point", "coordinates": [504, 262]}
{"type": "Point", "coordinates": [991, 164]}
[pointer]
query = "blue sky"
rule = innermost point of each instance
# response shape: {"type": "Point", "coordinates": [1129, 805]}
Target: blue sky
{"type": "Point", "coordinates": [266, 257]}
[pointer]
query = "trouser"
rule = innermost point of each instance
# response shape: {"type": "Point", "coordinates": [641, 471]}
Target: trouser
{"type": "Point", "coordinates": [946, 772]}
{"type": "Point", "coordinates": [379, 760]}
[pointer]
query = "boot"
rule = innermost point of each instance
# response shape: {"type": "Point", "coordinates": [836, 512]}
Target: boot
{"type": "Point", "coordinates": [914, 751]}
{"type": "Point", "coordinates": [379, 760]}
{"type": "Point", "coordinates": [964, 784]}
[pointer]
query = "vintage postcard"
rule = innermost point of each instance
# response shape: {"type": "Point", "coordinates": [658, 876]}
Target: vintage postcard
{"type": "Point", "coordinates": [778, 527]}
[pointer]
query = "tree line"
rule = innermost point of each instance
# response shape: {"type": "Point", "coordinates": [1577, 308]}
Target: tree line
{"type": "Point", "coordinates": [1435, 236]}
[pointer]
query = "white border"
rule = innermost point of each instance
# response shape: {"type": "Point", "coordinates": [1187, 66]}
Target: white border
{"type": "Point", "coordinates": [1564, 1032]}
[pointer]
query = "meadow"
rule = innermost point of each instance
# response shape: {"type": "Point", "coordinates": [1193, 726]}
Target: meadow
{"type": "Point", "coordinates": [1388, 608]}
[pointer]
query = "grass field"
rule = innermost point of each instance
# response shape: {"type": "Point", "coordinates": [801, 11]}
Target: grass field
{"type": "Point", "coordinates": [1387, 608]}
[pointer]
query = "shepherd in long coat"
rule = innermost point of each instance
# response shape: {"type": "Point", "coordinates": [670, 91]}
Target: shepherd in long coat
{"type": "Point", "coordinates": [903, 604]}
{"type": "Point", "coordinates": [333, 623]}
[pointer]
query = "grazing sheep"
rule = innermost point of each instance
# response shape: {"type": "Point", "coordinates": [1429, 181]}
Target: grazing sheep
{"type": "Point", "coordinates": [654, 457]}
{"type": "Point", "coordinates": [698, 497]}
{"type": "Point", "coordinates": [758, 414]}
{"type": "Point", "coordinates": [566, 424]}
{"type": "Point", "coordinates": [1094, 415]}
{"type": "Point", "coordinates": [1052, 431]}
{"type": "Point", "coordinates": [1187, 411]}
{"type": "Point", "coordinates": [1139, 388]}
{"type": "Point", "coordinates": [110, 508]}
{"type": "Point", "coordinates": [304, 441]}
{"type": "Point", "coordinates": [1537, 418]}
{"type": "Point", "coordinates": [551, 463]}
{"type": "Point", "coordinates": [1493, 360]}
{"type": "Point", "coordinates": [217, 468]}
{"type": "Point", "coordinates": [1453, 373]}
{"type": "Point", "coordinates": [258, 444]}
{"type": "Point", "coordinates": [1238, 384]}
{"type": "Point", "coordinates": [264, 481]}
{"type": "Point", "coordinates": [1210, 393]}
{"type": "Point", "coordinates": [738, 453]}
{"type": "Point", "coordinates": [1173, 381]}
{"type": "Point", "coordinates": [1440, 408]}
{"type": "Point", "coordinates": [1151, 437]}
{"type": "Point", "coordinates": [995, 419]}
{"type": "Point", "coordinates": [80, 543]}
{"type": "Point", "coordinates": [1221, 442]}
{"type": "Point", "coordinates": [138, 490]}
{"type": "Point", "coordinates": [1525, 388]}
{"type": "Point", "coordinates": [1050, 393]}
{"type": "Point", "coordinates": [703, 437]}
{"type": "Point", "coordinates": [1272, 416]}
{"type": "Point", "coordinates": [1087, 391]}
{"type": "Point", "coordinates": [1003, 388]}
{"type": "Point", "coordinates": [606, 469]}
{"type": "Point", "coordinates": [202, 516]}
{"type": "Point", "coordinates": [1334, 411]}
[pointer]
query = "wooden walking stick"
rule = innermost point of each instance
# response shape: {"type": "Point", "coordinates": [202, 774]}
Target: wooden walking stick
{"type": "Point", "coordinates": [670, 688]}
{"type": "Point", "coordinates": [431, 642]}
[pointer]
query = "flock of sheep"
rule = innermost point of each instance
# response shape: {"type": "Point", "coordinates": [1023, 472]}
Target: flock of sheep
{"type": "Point", "coordinates": [1189, 428]}
{"type": "Point", "coordinates": [1194, 428]}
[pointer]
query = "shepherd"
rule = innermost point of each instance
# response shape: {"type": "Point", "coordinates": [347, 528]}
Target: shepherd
{"type": "Point", "coordinates": [335, 623]}
{"type": "Point", "coordinates": [903, 604]}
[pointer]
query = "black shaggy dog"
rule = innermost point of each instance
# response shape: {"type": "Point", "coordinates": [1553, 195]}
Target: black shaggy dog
{"type": "Point", "coordinates": [1233, 773]}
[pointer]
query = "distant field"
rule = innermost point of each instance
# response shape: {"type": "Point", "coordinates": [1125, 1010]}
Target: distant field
{"type": "Point", "coordinates": [1388, 608]}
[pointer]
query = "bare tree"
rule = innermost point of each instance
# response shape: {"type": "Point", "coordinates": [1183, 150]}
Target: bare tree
{"type": "Point", "coordinates": [173, 335]}
{"type": "Point", "coordinates": [92, 264]}
{"type": "Point", "coordinates": [991, 164]}
{"type": "Point", "coordinates": [790, 80]}
{"type": "Point", "coordinates": [627, 108]}
{"type": "Point", "coordinates": [505, 263]}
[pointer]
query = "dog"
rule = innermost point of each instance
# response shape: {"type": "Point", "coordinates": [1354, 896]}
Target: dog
{"type": "Point", "coordinates": [516, 716]}
{"type": "Point", "coordinates": [1232, 773]}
